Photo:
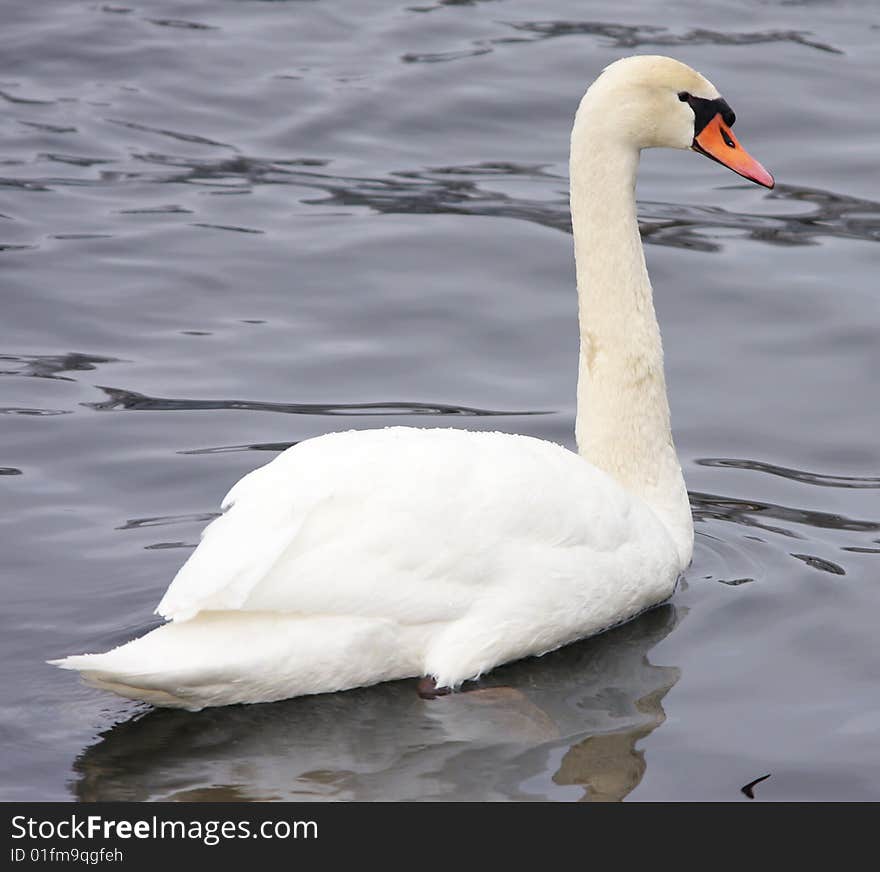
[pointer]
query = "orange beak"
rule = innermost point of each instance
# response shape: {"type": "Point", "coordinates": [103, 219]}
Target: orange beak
{"type": "Point", "coordinates": [717, 141]}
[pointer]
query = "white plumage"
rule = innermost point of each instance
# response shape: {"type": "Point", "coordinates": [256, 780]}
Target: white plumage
{"type": "Point", "coordinates": [365, 556]}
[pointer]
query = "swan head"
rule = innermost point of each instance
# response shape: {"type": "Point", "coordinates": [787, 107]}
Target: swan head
{"type": "Point", "coordinates": [650, 101]}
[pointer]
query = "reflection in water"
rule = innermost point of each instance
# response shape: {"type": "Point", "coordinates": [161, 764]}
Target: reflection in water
{"type": "Point", "coordinates": [587, 705]}
{"type": "Point", "coordinates": [608, 764]}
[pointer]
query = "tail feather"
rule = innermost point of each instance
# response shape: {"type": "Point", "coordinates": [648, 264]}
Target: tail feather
{"type": "Point", "coordinates": [221, 658]}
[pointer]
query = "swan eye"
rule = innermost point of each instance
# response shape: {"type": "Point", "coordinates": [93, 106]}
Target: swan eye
{"type": "Point", "coordinates": [727, 140]}
{"type": "Point", "coordinates": [684, 96]}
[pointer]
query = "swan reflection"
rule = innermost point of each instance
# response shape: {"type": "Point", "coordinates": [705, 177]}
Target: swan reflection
{"type": "Point", "coordinates": [562, 726]}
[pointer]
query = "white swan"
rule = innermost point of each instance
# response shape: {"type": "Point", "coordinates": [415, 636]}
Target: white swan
{"type": "Point", "coordinates": [360, 557]}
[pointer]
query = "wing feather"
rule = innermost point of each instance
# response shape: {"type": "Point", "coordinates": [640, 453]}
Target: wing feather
{"type": "Point", "coordinates": [410, 524]}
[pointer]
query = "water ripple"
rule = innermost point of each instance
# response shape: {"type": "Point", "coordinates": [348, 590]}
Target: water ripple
{"type": "Point", "coordinates": [636, 36]}
{"type": "Point", "coordinates": [457, 190]}
{"type": "Point", "coordinates": [166, 520]}
{"type": "Point", "coordinates": [37, 413]}
{"type": "Point", "coordinates": [164, 546]}
{"type": "Point", "coordinates": [50, 365]}
{"type": "Point", "coordinates": [226, 449]}
{"type": "Point", "coordinates": [49, 128]}
{"type": "Point", "coordinates": [620, 36]}
{"type": "Point", "coordinates": [473, 190]}
{"type": "Point", "coordinates": [119, 399]}
{"type": "Point", "coordinates": [11, 98]}
{"type": "Point", "coordinates": [226, 227]}
{"type": "Point", "coordinates": [173, 134]}
{"type": "Point", "coordinates": [813, 478]}
{"type": "Point", "coordinates": [750, 513]}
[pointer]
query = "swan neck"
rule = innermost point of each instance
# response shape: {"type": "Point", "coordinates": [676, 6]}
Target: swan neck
{"type": "Point", "coordinates": [623, 424]}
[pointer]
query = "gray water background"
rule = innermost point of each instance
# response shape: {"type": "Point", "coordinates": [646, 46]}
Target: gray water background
{"type": "Point", "coordinates": [228, 226]}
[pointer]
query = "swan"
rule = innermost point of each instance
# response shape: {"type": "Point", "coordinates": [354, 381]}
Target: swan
{"type": "Point", "coordinates": [366, 556]}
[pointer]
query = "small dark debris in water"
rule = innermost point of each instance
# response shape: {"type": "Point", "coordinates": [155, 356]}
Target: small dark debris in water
{"type": "Point", "coordinates": [748, 788]}
{"type": "Point", "coordinates": [9, 470]}
{"type": "Point", "coordinates": [855, 549]}
{"type": "Point", "coordinates": [733, 582]}
{"type": "Point", "coordinates": [196, 333]}
{"type": "Point", "coordinates": [819, 563]}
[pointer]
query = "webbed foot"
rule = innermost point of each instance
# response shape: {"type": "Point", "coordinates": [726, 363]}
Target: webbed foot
{"type": "Point", "coordinates": [427, 688]}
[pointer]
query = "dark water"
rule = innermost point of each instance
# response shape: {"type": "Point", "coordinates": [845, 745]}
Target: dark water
{"type": "Point", "coordinates": [229, 226]}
